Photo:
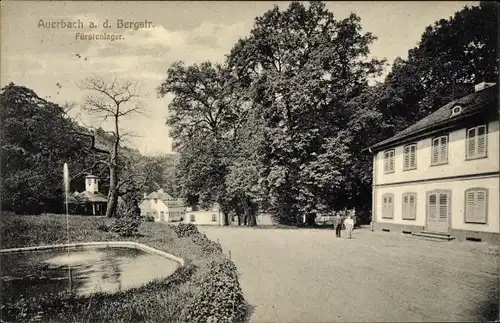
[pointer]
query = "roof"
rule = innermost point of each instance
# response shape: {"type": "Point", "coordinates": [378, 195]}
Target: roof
{"type": "Point", "coordinates": [165, 197]}
{"type": "Point", "coordinates": [91, 197]}
{"type": "Point", "coordinates": [472, 104]}
{"type": "Point", "coordinates": [160, 196]}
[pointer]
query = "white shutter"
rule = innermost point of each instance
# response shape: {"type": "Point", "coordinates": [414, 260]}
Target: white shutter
{"type": "Point", "coordinates": [406, 157]}
{"type": "Point", "coordinates": [391, 161]}
{"type": "Point", "coordinates": [443, 206]}
{"type": "Point", "coordinates": [481, 141]}
{"type": "Point", "coordinates": [412, 207]}
{"type": "Point", "coordinates": [413, 156]}
{"type": "Point", "coordinates": [481, 206]}
{"type": "Point", "coordinates": [432, 206]}
{"type": "Point", "coordinates": [405, 207]}
{"type": "Point", "coordinates": [443, 150]}
{"type": "Point", "coordinates": [471, 142]}
{"type": "Point", "coordinates": [435, 150]}
{"type": "Point", "coordinates": [470, 206]}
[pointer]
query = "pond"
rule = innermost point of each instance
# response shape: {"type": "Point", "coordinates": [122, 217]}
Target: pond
{"type": "Point", "coordinates": [92, 269]}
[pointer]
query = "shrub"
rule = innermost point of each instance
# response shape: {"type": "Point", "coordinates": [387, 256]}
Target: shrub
{"type": "Point", "coordinates": [185, 230]}
{"type": "Point", "coordinates": [220, 298]}
{"type": "Point", "coordinates": [149, 218]}
{"type": "Point", "coordinates": [128, 218]}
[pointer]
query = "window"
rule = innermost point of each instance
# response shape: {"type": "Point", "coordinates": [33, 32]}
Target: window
{"type": "Point", "coordinates": [476, 201]}
{"type": "Point", "coordinates": [438, 205]}
{"type": "Point", "coordinates": [439, 150]}
{"type": "Point", "coordinates": [191, 218]}
{"type": "Point", "coordinates": [410, 157]}
{"type": "Point", "coordinates": [409, 206]}
{"type": "Point", "coordinates": [214, 217]}
{"type": "Point", "coordinates": [389, 161]}
{"type": "Point", "coordinates": [156, 200]}
{"type": "Point", "coordinates": [476, 142]}
{"type": "Point", "coordinates": [456, 110]}
{"type": "Point", "coordinates": [162, 216]}
{"type": "Point", "coordinates": [388, 206]}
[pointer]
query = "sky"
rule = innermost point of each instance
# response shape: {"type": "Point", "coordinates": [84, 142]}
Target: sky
{"type": "Point", "coordinates": [40, 58]}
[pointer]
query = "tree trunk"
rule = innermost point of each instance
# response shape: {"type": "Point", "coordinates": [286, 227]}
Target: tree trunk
{"type": "Point", "coordinates": [113, 193]}
{"type": "Point", "coordinates": [239, 218]}
{"type": "Point", "coordinates": [252, 220]}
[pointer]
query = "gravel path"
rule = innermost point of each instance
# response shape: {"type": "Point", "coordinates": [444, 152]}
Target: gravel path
{"type": "Point", "coordinates": [306, 275]}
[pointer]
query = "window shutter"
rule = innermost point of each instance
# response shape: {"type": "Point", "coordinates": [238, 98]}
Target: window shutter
{"type": "Point", "coordinates": [480, 211]}
{"type": "Point", "coordinates": [407, 157]}
{"type": "Point", "coordinates": [471, 142]}
{"type": "Point", "coordinates": [386, 162]}
{"type": "Point", "coordinates": [443, 206]}
{"type": "Point", "coordinates": [413, 156]}
{"type": "Point", "coordinates": [470, 208]}
{"type": "Point", "coordinates": [481, 141]}
{"type": "Point", "coordinates": [391, 161]}
{"type": "Point", "coordinates": [435, 150]}
{"type": "Point", "coordinates": [412, 207]}
{"type": "Point", "coordinates": [433, 206]}
{"type": "Point", "coordinates": [405, 206]}
{"type": "Point", "coordinates": [443, 150]}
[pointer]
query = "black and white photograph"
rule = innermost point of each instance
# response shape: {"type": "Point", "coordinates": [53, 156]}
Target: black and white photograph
{"type": "Point", "coordinates": [249, 161]}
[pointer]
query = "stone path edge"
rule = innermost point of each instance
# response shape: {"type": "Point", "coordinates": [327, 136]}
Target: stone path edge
{"type": "Point", "coordinates": [109, 244]}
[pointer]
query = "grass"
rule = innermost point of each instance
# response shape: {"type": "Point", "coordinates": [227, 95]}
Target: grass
{"type": "Point", "coordinates": [158, 301]}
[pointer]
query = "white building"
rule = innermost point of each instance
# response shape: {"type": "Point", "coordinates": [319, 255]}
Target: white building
{"type": "Point", "coordinates": [441, 175]}
{"type": "Point", "coordinates": [162, 206]}
{"type": "Point", "coordinates": [204, 217]}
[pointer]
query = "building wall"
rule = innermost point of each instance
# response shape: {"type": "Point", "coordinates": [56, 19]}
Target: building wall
{"type": "Point", "coordinates": [457, 164]}
{"type": "Point", "coordinates": [204, 218]}
{"type": "Point", "coordinates": [477, 173]}
{"type": "Point", "coordinates": [457, 189]}
{"type": "Point", "coordinates": [171, 214]}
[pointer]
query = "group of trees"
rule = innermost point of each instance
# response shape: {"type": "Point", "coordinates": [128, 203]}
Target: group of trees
{"type": "Point", "coordinates": [38, 137]}
{"type": "Point", "coordinates": [282, 124]}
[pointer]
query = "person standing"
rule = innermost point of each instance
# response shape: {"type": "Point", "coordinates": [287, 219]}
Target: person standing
{"type": "Point", "coordinates": [349, 222]}
{"type": "Point", "coordinates": [338, 225]}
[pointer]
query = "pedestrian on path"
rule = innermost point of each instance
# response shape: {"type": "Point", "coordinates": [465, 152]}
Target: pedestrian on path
{"type": "Point", "coordinates": [349, 222]}
{"type": "Point", "coordinates": [338, 225]}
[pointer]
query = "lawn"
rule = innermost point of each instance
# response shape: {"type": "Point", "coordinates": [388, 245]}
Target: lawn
{"type": "Point", "coordinates": [159, 301]}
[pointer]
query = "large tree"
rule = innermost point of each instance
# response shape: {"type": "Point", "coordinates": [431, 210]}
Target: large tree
{"type": "Point", "coordinates": [113, 100]}
{"type": "Point", "coordinates": [202, 118]}
{"type": "Point", "coordinates": [304, 66]}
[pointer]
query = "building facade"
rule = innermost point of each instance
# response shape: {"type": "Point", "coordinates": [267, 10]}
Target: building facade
{"type": "Point", "coordinates": [90, 201]}
{"type": "Point", "coordinates": [204, 217]}
{"type": "Point", "coordinates": [162, 207]}
{"type": "Point", "coordinates": [441, 175]}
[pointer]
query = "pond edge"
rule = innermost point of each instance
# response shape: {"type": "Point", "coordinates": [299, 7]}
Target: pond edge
{"type": "Point", "coordinates": [108, 244]}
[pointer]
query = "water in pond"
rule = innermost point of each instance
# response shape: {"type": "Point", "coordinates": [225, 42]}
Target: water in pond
{"type": "Point", "coordinates": [92, 270]}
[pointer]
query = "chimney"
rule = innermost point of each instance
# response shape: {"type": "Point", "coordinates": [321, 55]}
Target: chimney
{"type": "Point", "coordinates": [145, 195]}
{"type": "Point", "coordinates": [160, 190]}
{"type": "Point", "coordinates": [483, 85]}
{"type": "Point", "coordinates": [91, 184]}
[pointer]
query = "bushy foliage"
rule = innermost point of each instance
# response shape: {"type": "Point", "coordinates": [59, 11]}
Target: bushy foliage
{"type": "Point", "coordinates": [149, 218]}
{"type": "Point", "coordinates": [128, 218]}
{"type": "Point", "coordinates": [185, 230]}
{"type": "Point", "coordinates": [220, 298]}
{"type": "Point", "coordinates": [200, 239]}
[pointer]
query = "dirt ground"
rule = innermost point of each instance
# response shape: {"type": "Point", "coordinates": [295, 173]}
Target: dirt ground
{"type": "Point", "coordinates": [308, 275]}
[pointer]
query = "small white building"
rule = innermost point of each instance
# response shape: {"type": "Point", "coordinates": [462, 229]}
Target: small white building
{"type": "Point", "coordinates": [204, 217]}
{"type": "Point", "coordinates": [162, 206]}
